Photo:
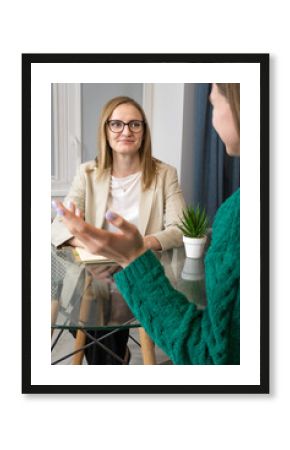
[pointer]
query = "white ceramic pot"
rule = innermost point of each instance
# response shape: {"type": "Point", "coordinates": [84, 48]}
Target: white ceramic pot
{"type": "Point", "coordinates": [194, 247]}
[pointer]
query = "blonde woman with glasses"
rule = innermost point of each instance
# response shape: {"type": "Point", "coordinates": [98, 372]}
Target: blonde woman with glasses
{"type": "Point", "coordinates": [127, 179]}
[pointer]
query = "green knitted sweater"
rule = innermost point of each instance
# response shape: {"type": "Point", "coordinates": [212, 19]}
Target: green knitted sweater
{"type": "Point", "coordinates": [188, 335]}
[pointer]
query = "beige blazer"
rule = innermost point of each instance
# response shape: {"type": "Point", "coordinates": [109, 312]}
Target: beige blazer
{"type": "Point", "coordinates": [160, 206]}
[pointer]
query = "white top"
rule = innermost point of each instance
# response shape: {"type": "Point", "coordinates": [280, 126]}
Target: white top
{"type": "Point", "coordinates": [124, 198]}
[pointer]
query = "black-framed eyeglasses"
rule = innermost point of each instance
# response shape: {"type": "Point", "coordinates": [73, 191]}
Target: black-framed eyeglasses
{"type": "Point", "coordinates": [117, 126]}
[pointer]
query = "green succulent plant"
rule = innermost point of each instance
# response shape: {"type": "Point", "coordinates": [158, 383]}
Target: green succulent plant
{"type": "Point", "coordinates": [194, 222]}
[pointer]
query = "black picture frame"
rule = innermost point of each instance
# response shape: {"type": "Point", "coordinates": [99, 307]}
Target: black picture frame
{"type": "Point", "coordinates": [260, 59]}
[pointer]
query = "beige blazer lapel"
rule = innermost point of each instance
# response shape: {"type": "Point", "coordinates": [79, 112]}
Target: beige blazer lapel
{"type": "Point", "coordinates": [102, 188]}
{"type": "Point", "coordinates": [145, 206]}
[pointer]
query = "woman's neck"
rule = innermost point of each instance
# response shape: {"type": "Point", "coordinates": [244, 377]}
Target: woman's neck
{"type": "Point", "coordinates": [123, 167]}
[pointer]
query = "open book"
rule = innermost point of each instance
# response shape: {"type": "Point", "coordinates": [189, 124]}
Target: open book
{"type": "Point", "coordinates": [87, 257]}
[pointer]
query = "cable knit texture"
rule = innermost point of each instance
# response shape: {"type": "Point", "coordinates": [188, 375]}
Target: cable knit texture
{"type": "Point", "coordinates": [188, 335]}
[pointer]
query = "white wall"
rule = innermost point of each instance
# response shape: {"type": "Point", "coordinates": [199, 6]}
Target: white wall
{"type": "Point", "coordinates": [166, 123]}
{"type": "Point", "coordinates": [172, 119]}
{"type": "Point", "coordinates": [187, 157]}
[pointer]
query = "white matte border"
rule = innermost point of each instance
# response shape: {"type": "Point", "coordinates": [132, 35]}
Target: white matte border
{"type": "Point", "coordinates": [42, 75]}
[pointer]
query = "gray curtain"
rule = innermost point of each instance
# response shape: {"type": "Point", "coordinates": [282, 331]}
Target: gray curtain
{"type": "Point", "coordinates": [216, 175]}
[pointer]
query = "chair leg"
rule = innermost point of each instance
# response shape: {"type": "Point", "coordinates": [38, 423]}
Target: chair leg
{"type": "Point", "coordinates": [54, 313]}
{"type": "Point", "coordinates": [147, 348]}
{"type": "Point", "coordinates": [80, 341]}
{"type": "Point", "coordinates": [85, 306]}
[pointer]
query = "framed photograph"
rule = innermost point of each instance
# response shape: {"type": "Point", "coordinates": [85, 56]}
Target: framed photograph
{"type": "Point", "coordinates": [62, 100]}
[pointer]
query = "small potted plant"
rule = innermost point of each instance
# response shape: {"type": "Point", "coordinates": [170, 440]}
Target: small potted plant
{"type": "Point", "coordinates": [194, 225]}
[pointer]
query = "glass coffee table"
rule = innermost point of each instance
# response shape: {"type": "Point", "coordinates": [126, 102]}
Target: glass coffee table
{"type": "Point", "coordinates": [84, 298]}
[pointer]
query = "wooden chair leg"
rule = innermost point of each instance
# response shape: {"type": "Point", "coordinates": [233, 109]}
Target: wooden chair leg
{"type": "Point", "coordinates": [80, 341]}
{"type": "Point", "coordinates": [147, 348]}
{"type": "Point", "coordinates": [54, 312]}
{"type": "Point", "coordinates": [85, 306]}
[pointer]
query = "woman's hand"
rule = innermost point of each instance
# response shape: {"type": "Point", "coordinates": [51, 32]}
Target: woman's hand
{"type": "Point", "coordinates": [103, 272]}
{"type": "Point", "coordinates": [152, 242]}
{"type": "Point", "coordinates": [123, 247]}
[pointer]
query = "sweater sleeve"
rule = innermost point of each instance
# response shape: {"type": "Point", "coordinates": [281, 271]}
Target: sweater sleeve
{"type": "Point", "coordinates": [175, 324]}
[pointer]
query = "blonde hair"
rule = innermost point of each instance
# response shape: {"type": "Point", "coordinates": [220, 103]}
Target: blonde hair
{"type": "Point", "coordinates": [232, 93]}
{"type": "Point", "coordinates": [105, 159]}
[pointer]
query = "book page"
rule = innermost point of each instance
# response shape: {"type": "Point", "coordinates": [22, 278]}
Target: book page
{"type": "Point", "coordinates": [87, 257]}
